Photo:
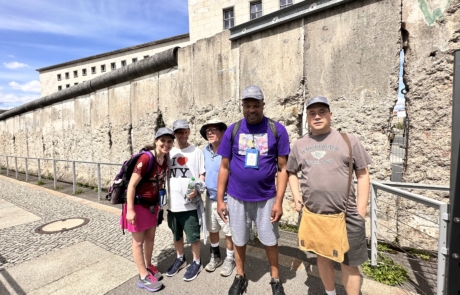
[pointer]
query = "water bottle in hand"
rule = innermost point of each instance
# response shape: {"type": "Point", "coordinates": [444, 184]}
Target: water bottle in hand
{"type": "Point", "coordinates": [190, 189]}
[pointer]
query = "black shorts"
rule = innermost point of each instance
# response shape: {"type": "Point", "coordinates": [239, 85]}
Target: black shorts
{"type": "Point", "coordinates": [356, 233]}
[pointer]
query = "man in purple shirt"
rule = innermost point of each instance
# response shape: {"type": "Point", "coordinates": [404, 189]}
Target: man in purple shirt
{"type": "Point", "coordinates": [251, 155]}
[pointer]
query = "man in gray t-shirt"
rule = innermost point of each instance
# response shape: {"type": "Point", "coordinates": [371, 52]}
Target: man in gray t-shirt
{"type": "Point", "coordinates": [323, 157]}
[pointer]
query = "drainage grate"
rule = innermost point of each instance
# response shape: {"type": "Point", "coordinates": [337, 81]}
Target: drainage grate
{"type": "Point", "coordinates": [62, 225]}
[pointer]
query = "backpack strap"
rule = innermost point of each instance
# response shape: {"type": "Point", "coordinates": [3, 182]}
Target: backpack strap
{"type": "Point", "coordinates": [350, 167]}
{"type": "Point", "coordinates": [150, 167]}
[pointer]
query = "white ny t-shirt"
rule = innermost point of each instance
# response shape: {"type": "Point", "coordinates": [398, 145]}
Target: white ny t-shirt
{"type": "Point", "coordinates": [183, 164]}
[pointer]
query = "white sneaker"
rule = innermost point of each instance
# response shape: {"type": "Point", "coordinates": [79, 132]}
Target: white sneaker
{"type": "Point", "coordinates": [214, 263]}
{"type": "Point", "coordinates": [227, 268]}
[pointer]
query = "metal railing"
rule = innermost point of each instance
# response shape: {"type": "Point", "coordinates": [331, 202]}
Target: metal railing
{"type": "Point", "coordinates": [55, 178]}
{"type": "Point", "coordinates": [406, 222]}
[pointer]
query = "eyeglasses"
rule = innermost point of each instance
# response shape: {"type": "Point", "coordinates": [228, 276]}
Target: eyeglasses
{"type": "Point", "coordinates": [212, 130]}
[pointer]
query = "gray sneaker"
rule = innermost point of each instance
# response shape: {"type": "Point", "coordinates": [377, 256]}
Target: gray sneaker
{"type": "Point", "coordinates": [214, 263]}
{"type": "Point", "coordinates": [150, 283]}
{"type": "Point", "coordinates": [227, 268]}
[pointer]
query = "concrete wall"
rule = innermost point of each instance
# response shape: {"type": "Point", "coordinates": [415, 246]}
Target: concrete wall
{"type": "Point", "coordinates": [206, 17]}
{"type": "Point", "coordinates": [349, 53]}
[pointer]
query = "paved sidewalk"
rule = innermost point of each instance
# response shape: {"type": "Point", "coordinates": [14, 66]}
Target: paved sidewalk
{"type": "Point", "coordinates": [96, 258]}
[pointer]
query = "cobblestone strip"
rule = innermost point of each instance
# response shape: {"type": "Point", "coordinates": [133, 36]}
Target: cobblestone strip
{"type": "Point", "coordinates": [20, 243]}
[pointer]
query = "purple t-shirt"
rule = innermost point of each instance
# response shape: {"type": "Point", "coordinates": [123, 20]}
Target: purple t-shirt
{"type": "Point", "coordinates": [249, 184]}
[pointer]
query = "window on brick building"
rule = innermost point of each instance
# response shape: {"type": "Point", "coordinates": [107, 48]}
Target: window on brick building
{"type": "Point", "coordinates": [256, 9]}
{"type": "Point", "coordinates": [59, 77]}
{"type": "Point", "coordinates": [59, 88]}
{"type": "Point", "coordinates": [67, 85]}
{"type": "Point", "coordinates": [135, 59]}
{"type": "Point", "coordinates": [285, 3]}
{"type": "Point", "coordinates": [113, 66]}
{"type": "Point", "coordinates": [75, 74]}
{"type": "Point", "coordinates": [123, 63]}
{"type": "Point", "coordinates": [102, 68]}
{"type": "Point", "coordinates": [67, 75]}
{"type": "Point", "coordinates": [146, 56]}
{"type": "Point", "coordinates": [93, 70]}
{"type": "Point", "coordinates": [76, 83]}
{"type": "Point", "coordinates": [229, 18]}
{"type": "Point", "coordinates": [83, 72]}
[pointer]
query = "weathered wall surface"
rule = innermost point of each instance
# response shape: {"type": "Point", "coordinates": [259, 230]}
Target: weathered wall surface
{"type": "Point", "coordinates": [349, 53]}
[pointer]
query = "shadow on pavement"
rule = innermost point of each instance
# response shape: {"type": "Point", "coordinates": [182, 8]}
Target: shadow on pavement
{"type": "Point", "coordinates": [6, 277]}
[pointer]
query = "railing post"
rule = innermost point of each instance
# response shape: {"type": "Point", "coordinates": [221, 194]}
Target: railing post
{"type": "Point", "coordinates": [442, 248]}
{"type": "Point", "coordinates": [74, 178]}
{"type": "Point", "coordinates": [373, 225]}
{"type": "Point", "coordinates": [16, 166]}
{"type": "Point", "coordinates": [98, 181]}
{"type": "Point", "coordinates": [7, 167]}
{"type": "Point", "coordinates": [54, 172]}
{"type": "Point", "coordinates": [27, 170]}
{"type": "Point", "coordinates": [39, 173]}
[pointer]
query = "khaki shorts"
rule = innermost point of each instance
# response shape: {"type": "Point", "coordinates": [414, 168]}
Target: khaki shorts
{"type": "Point", "coordinates": [213, 221]}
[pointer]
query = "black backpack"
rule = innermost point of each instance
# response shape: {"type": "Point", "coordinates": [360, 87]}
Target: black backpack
{"type": "Point", "coordinates": [118, 189]}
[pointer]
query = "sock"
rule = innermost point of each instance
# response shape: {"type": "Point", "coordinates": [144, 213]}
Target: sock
{"type": "Point", "coordinates": [198, 261]}
{"type": "Point", "coordinates": [181, 256]}
{"type": "Point", "coordinates": [215, 250]}
{"type": "Point", "coordinates": [331, 292]}
{"type": "Point", "coordinates": [230, 254]}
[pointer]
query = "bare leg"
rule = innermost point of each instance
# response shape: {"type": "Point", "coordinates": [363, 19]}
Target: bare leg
{"type": "Point", "coordinates": [148, 245]}
{"type": "Point", "coordinates": [240, 256]}
{"type": "Point", "coordinates": [326, 272]}
{"type": "Point", "coordinates": [229, 243]}
{"type": "Point", "coordinates": [179, 245]}
{"type": "Point", "coordinates": [351, 279]}
{"type": "Point", "coordinates": [195, 249]}
{"type": "Point", "coordinates": [138, 255]}
{"type": "Point", "coordinates": [272, 255]}
{"type": "Point", "coordinates": [214, 237]}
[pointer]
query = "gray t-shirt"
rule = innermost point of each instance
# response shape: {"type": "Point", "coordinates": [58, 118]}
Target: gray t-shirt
{"type": "Point", "coordinates": [323, 161]}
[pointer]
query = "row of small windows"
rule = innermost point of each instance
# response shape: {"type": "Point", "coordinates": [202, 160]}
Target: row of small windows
{"type": "Point", "coordinates": [113, 66]}
{"type": "Point", "coordinates": [255, 9]}
{"type": "Point", "coordinates": [67, 86]}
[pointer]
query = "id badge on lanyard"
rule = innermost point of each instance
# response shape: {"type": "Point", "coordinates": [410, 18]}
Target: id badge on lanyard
{"type": "Point", "coordinates": [252, 158]}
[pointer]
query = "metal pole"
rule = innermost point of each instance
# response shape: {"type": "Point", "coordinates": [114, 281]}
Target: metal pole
{"type": "Point", "coordinates": [453, 236]}
{"type": "Point", "coordinates": [98, 181]}
{"type": "Point", "coordinates": [54, 173]}
{"type": "Point", "coordinates": [38, 170]}
{"type": "Point", "coordinates": [74, 178]}
{"type": "Point", "coordinates": [7, 167]}
{"type": "Point", "coordinates": [442, 248]}
{"type": "Point", "coordinates": [16, 166]}
{"type": "Point", "coordinates": [27, 171]}
{"type": "Point", "coordinates": [374, 225]}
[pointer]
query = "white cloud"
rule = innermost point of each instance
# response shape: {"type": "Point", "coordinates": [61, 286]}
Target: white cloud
{"type": "Point", "coordinates": [10, 55]}
{"type": "Point", "coordinates": [32, 86]}
{"type": "Point", "coordinates": [15, 65]}
{"type": "Point", "coordinates": [12, 100]}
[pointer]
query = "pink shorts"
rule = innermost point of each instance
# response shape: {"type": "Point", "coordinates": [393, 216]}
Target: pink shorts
{"type": "Point", "coordinates": [144, 219]}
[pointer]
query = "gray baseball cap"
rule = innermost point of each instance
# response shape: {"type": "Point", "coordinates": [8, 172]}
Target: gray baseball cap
{"type": "Point", "coordinates": [164, 131]}
{"type": "Point", "coordinates": [317, 99]}
{"type": "Point", "coordinates": [253, 91]}
{"type": "Point", "coordinates": [180, 124]}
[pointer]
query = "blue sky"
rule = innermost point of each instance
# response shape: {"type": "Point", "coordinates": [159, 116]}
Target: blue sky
{"type": "Point", "coordinates": [41, 33]}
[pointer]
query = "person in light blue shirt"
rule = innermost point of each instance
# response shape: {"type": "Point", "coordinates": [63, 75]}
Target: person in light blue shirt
{"type": "Point", "coordinates": [213, 131]}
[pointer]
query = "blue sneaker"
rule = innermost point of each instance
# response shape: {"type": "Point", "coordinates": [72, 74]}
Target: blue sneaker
{"type": "Point", "coordinates": [192, 271]}
{"type": "Point", "coordinates": [175, 267]}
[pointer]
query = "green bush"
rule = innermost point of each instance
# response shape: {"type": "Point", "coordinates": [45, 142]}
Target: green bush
{"type": "Point", "coordinates": [95, 189]}
{"type": "Point", "coordinates": [40, 182]}
{"type": "Point", "coordinates": [79, 191]}
{"type": "Point", "coordinates": [399, 125]}
{"type": "Point", "coordinates": [386, 271]}
{"type": "Point", "coordinates": [59, 187]}
{"type": "Point", "coordinates": [422, 254]}
{"type": "Point", "coordinates": [288, 227]}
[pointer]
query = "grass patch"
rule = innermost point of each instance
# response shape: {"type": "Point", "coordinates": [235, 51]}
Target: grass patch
{"type": "Point", "coordinates": [288, 227]}
{"type": "Point", "coordinates": [421, 254]}
{"type": "Point", "coordinates": [79, 191]}
{"type": "Point", "coordinates": [386, 271]}
{"type": "Point", "coordinates": [95, 189]}
{"type": "Point", "coordinates": [58, 187]}
{"type": "Point", "coordinates": [40, 182]}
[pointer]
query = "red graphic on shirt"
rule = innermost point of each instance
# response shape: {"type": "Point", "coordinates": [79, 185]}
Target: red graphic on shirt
{"type": "Point", "coordinates": [182, 160]}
